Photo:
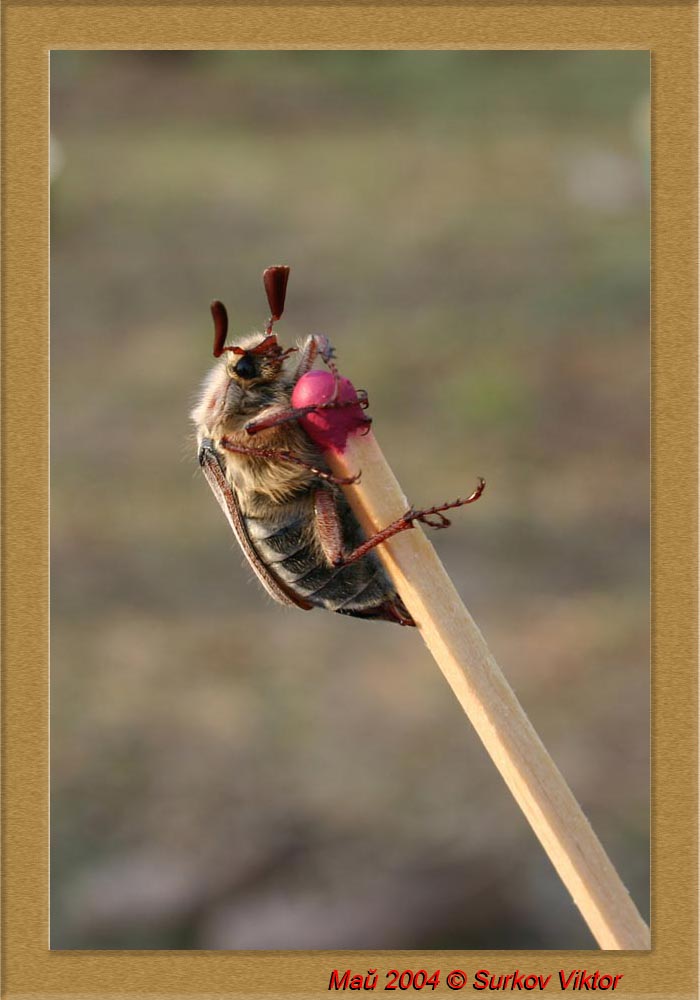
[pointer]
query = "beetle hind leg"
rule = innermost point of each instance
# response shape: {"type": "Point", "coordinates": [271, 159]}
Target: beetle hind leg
{"type": "Point", "coordinates": [407, 520]}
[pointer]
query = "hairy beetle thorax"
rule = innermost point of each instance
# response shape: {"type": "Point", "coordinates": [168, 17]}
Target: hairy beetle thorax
{"type": "Point", "coordinates": [268, 476]}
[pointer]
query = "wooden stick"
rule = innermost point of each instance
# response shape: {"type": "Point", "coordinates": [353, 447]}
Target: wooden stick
{"type": "Point", "coordinates": [453, 638]}
{"type": "Point", "coordinates": [459, 648]}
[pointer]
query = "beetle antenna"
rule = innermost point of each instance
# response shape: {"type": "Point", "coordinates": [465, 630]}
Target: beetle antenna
{"type": "Point", "coordinates": [275, 282]}
{"type": "Point", "coordinates": [220, 317]}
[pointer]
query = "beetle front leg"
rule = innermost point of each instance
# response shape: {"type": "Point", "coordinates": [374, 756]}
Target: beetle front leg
{"type": "Point", "coordinates": [291, 413]}
{"type": "Point", "coordinates": [316, 344]}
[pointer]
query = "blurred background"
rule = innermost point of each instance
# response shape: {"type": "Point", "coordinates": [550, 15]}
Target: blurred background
{"type": "Point", "coordinates": [471, 229]}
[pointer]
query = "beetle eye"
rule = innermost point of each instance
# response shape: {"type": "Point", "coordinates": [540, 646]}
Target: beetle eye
{"type": "Point", "coordinates": [245, 368]}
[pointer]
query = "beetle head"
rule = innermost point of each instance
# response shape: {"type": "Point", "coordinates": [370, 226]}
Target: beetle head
{"type": "Point", "coordinates": [263, 359]}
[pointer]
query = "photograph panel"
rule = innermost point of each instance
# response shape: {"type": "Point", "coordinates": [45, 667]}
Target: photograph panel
{"type": "Point", "coordinates": [471, 232]}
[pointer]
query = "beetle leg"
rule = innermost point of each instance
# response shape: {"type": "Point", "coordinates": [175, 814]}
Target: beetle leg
{"type": "Point", "coordinates": [283, 455]}
{"type": "Point", "coordinates": [328, 528]}
{"type": "Point", "coordinates": [406, 522]}
{"type": "Point", "coordinates": [294, 413]}
{"type": "Point", "coordinates": [316, 344]}
{"type": "Point", "coordinates": [285, 416]}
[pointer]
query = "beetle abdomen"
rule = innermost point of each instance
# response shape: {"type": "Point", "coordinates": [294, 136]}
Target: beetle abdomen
{"type": "Point", "coordinates": [290, 553]}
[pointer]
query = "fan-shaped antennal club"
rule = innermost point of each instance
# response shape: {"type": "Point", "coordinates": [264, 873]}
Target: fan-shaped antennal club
{"type": "Point", "coordinates": [220, 317]}
{"type": "Point", "coordinates": [275, 282]}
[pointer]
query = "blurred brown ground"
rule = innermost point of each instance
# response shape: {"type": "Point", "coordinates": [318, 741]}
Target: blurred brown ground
{"type": "Point", "coordinates": [471, 230]}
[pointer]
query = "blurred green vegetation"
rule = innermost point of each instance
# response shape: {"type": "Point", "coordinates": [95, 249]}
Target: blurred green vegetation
{"type": "Point", "coordinates": [471, 229]}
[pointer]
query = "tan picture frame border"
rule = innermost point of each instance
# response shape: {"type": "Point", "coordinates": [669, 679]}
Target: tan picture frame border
{"type": "Point", "coordinates": [29, 31]}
